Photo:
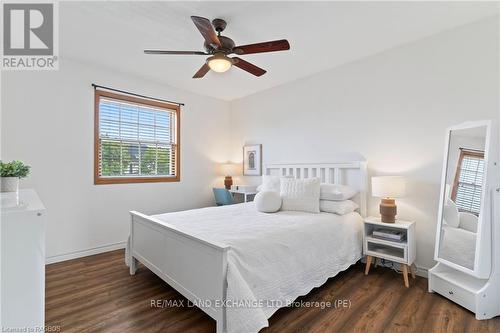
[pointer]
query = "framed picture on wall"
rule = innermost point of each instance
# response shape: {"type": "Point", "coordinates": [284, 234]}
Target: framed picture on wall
{"type": "Point", "coordinates": [252, 160]}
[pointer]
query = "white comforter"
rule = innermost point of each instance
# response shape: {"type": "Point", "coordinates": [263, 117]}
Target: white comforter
{"type": "Point", "coordinates": [274, 258]}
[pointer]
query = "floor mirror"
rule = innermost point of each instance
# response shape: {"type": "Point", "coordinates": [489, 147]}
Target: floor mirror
{"type": "Point", "coordinates": [467, 254]}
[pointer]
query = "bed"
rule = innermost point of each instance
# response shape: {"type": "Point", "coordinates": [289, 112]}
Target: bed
{"type": "Point", "coordinates": [239, 265]}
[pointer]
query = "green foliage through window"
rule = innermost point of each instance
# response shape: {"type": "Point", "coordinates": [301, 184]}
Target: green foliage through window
{"type": "Point", "coordinates": [135, 140]}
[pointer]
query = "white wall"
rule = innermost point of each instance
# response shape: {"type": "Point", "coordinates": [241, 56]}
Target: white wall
{"type": "Point", "coordinates": [393, 108]}
{"type": "Point", "coordinates": [47, 121]}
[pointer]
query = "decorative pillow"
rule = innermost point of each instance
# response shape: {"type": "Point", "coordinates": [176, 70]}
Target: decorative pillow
{"type": "Point", "coordinates": [336, 192]}
{"type": "Point", "coordinates": [268, 201]}
{"type": "Point", "coordinates": [270, 183]}
{"type": "Point", "coordinates": [300, 194]}
{"type": "Point", "coordinates": [450, 214]}
{"type": "Point", "coordinates": [338, 207]}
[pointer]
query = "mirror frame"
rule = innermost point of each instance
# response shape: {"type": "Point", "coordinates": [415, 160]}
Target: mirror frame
{"type": "Point", "coordinates": [482, 255]}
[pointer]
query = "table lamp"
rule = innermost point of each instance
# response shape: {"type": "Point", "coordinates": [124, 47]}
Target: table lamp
{"type": "Point", "coordinates": [228, 170]}
{"type": "Point", "coordinates": [387, 188]}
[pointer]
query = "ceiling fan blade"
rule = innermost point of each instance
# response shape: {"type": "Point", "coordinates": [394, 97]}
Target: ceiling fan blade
{"type": "Point", "coordinates": [275, 45]}
{"type": "Point", "coordinates": [201, 72]}
{"type": "Point", "coordinates": [246, 66]}
{"type": "Point", "coordinates": [175, 52]}
{"type": "Point", "coordinates": [206, 30]}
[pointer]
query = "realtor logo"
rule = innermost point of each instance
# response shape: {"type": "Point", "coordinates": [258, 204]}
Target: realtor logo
{"type": "Point", "coordinates": [29, 36]}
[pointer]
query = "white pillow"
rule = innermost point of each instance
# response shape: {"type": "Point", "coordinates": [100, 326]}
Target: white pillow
{"type": "Point", "coordinates": [338, 207]}
{"type": "Point", "coordinates": [468, 221]}
{"type": "Point", "coordinates": [300, 194]}
{"type": "Point", "coordinates": [336, 192]}
{"type": "Point", "coordinates": [268, 201]}
{"type": "Point", "coordinates": [450, 214]}
{"type": "Point", "coordinates": [270, 183]}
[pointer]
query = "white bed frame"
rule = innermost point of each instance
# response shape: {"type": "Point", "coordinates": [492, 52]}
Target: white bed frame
{"type": "Point", "coordinates": [195, 267]}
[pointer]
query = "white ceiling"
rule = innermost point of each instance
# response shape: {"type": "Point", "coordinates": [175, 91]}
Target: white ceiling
{"type": "Point", "coordinates": [322, 35]}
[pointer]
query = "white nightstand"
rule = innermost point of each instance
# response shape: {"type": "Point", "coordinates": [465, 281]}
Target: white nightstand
{"type": "Point", "coordinates": [401, 252]}
{"type": "Point", "coordinates": [247, 196]}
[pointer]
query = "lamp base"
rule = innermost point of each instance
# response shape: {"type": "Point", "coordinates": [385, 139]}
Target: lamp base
{"type": "Point", "coordinates": [388, 210]}
{"type": "Point", "coordinates": [228, 182]}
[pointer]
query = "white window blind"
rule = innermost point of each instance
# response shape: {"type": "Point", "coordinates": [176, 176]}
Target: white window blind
{"type": "Point", "coordinates": [135, 140]}
{"type": "Point", "coordinates": [468, 194]}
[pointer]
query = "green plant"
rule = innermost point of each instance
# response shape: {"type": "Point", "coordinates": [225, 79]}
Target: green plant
{"type": "Point", "coordinates": [14, 169]}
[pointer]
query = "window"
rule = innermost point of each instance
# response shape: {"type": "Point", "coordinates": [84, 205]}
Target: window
{"type": "Point", "coordinates": [466, 191]}
{"type": "Point", "coordinates": [136, 140]}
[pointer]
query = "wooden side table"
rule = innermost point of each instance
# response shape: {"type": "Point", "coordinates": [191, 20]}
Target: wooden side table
{"type": "Point", "coordinates": [402, 252]}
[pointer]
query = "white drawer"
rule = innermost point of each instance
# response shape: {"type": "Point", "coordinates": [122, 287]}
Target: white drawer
{"type": "Point", "coordinates": [453, 292]}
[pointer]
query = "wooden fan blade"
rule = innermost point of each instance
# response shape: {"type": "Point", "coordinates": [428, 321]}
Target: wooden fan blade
{"type": "Point", "coordinates": [276, 45]}
{"type": "Point", "coordinates": [246, 66]}
{"type": "Point", "coordinates": [206, 30]}
{"type": "Point", "coordinates": [175, 52]}
{"type": "Point", "coordinates": [201, 72]}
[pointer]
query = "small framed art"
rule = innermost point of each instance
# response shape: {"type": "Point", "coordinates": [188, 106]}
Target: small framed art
{"type": "Point", "coordinates": [252, 160]}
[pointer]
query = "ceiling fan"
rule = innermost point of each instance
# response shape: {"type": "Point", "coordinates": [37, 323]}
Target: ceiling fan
{"type": "Point", "coordinates": [218, 47]}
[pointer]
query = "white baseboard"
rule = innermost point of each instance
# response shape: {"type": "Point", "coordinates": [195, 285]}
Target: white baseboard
{"type": "Point", "coordinates": [422, 271]}
{"type": "Point", "coordinates": [85, 253]}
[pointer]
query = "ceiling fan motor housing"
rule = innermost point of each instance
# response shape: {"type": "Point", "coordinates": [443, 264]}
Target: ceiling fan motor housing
{"type": "Point", "coordinates": [227, 45]}
{"type": "Point", "coordinates": [219, 24]}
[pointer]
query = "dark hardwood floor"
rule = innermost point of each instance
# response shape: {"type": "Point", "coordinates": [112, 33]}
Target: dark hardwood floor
{"type": "Point", "coordinates": [97, 294]}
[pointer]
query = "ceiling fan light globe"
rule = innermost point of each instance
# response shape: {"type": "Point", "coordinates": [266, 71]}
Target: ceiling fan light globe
{"type": "Point", "coordinates": [219, 63]}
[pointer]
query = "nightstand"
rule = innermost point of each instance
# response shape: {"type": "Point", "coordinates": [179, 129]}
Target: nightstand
{"type": "Point", "coordinates": [247, 196]}
{"type": "Point", "coordinates": [402, 252]}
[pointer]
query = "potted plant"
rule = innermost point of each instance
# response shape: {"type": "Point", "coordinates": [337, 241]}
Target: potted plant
{"type": "Point", "coordinates": [10, 174]}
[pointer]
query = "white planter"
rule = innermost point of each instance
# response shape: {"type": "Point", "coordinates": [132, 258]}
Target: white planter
{"type": "Point", "coordinates": [9, 184]}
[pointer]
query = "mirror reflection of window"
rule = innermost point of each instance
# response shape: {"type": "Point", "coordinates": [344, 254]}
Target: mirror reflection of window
{"type": "Point", "coordinates": [465, 168]}
{"type": "Point", "coordinates": [466, 192]}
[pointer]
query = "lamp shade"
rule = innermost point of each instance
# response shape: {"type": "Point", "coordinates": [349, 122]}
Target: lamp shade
{"type": "Point", "coordinates": [388, 186]}
{"type": "Point", "coordinates": [219, 63]}
{"type": "Point", "coordinates": [229, 169]}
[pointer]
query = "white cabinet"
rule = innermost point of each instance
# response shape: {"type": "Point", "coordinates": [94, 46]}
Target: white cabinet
{"type": "Point", "coordinates": [22, 260]}
{"type": "Point", "coordinates": [402, 252]}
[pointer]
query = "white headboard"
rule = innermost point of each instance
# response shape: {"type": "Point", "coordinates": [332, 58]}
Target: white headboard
{"type": "Point", "coordinates": [352, 173]}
